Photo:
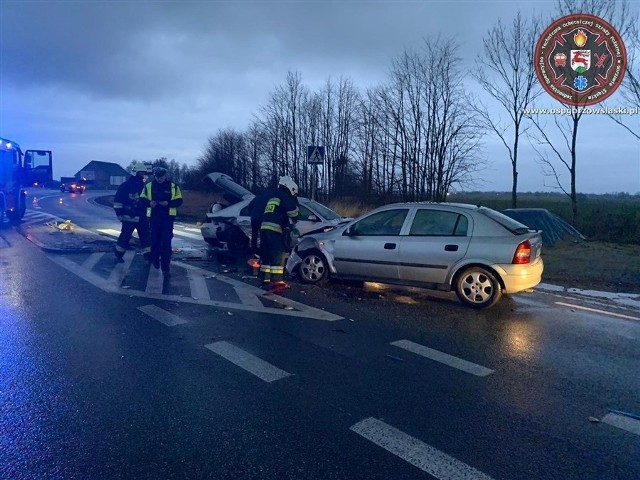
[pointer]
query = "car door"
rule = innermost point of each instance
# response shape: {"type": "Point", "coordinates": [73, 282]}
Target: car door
{"type": "Point", "coordinates": [368, 249]}
{"type": "Point", "coordinates": [436, 240]}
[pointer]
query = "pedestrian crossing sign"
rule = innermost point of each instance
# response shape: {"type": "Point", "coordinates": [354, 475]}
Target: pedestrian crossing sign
{"type": "Point", "coordinates": [315, 154]}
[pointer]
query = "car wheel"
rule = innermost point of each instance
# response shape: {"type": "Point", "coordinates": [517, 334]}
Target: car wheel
{"type": "Point", "coordinates": [237, 240]}
{"type": "Point", "coordinates": [313, 268]}
{"type": "Point", "coordinates": [478, 288]}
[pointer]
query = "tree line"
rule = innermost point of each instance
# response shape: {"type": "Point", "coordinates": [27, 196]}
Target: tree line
{"type": "Point", "coordinates": [418, 135]}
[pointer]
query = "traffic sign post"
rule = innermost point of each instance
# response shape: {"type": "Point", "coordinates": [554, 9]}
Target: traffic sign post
{"type": "Point", "coordinates": [315, 157]}
{"type": "Point", "coordinates": [315, 154]}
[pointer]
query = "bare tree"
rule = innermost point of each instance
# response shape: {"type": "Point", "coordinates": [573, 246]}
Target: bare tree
{"type": "Point", "coordinates": [511, 80]}
{"type": "Point", "coordinates": [617, 14]}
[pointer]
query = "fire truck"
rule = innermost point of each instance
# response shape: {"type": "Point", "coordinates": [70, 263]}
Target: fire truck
{"type": "Point", "coordinates": [19, 170]}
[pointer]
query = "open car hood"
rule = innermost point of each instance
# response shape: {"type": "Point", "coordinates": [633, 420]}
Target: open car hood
{"type": "Point", "coordinates": [231, 191]}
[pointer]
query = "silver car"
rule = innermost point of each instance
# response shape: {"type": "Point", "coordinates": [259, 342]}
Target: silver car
{"type": "Point", "coordinates": [475, 251]}
{"type": "Point", "coordinates": [230, 224]}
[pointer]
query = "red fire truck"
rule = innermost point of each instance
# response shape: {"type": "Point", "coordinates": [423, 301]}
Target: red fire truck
{"type": "Point", "coordinates": [19, 170]}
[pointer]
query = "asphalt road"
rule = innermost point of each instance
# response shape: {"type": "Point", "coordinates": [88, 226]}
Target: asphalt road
{"type": "Point", "coordinates": [107, 372]}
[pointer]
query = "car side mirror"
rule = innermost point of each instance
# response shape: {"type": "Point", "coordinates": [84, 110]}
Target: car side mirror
{"type": "Point", "coordinates": [313, 218]}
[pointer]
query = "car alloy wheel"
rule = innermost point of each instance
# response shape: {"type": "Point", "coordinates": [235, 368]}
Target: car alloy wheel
{"type": "Point", "coordinates": [313, 269]}
{"type": "Point", "coordinates": [478, 288]}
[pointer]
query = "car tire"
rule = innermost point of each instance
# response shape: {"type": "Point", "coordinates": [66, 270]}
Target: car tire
{"type": "Point", "coordinates": [313, 269]}
{"type": "Point", "coordinates": [477, 287]}
{"type": "Point", "coordinates": [237, 240]}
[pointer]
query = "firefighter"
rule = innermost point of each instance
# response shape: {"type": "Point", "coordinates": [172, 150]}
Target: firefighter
{"type": "Point", "coordinates": [280, 213]}
{"type": "Point", "coordinates": [131, 213]}
{"type": "Point", "coordinates": [161, 197]}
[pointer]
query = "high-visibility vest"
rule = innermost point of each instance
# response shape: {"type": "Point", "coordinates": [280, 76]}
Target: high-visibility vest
{"type": "Point", "coordinates": [175, 195]}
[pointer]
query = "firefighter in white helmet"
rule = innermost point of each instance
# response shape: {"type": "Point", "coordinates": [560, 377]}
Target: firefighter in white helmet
{"type": "Point", "coordinates": [280, 213]}
{"type": "Point", "coordinates": [131, 212]}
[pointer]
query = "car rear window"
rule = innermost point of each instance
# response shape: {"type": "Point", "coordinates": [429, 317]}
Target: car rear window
{"type": "Point", "coordinates": [509, 223]}
{"type": "Point", "coordinates": [323, 210]}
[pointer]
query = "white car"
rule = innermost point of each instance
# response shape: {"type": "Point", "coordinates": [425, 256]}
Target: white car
{"type": "Point", "coordinates": [230, 225]}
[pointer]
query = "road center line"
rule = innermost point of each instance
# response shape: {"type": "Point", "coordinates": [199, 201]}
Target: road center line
{"type": "Point", "coordinates": [252, 364]}
{"type": "Point", "coordinates": [164, 317]}
{"type": "Point", "coordinates": [595, 310]}
{"type": "Point", "coordinates": [442, 357]}
{"type": "Point", "coordinates": [417, 453]}
{"type": "Point", "coordinates": [625, 423]}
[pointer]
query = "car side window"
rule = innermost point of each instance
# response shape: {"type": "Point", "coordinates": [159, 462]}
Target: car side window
{"type": "Point", "coordinates": [387, 222]}
{"type": "Point", "coordinates": [439, 223]}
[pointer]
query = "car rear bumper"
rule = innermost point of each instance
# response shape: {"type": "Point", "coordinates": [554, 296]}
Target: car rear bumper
{"type": "Point", "coordinates": [517, 278]}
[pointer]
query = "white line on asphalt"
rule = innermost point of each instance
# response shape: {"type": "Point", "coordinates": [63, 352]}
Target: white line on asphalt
{"type": "Point", "coordinates": [182, 233]}
{"type": "Point", "coordinates": [595, 310]}
{"type": "Point", "coordinates": [164, 317]}
{"type": "Point", "coordinates": [198, 285]}
{"type": "Point", "coordinates": [109, 231]}
{"type": "Point", "coordinates": [252, 364]}
{"type": "Point", "coordinates": [120, 270]}
{"type": "Point", "coordinates": [445, 358]}
{"type": "Point", "coordinates": [90, 262]}
{"type": "Point", "coordinates": [417, 453]}
{"type": "Point", "coordinates": [154, 281]}
{"type": "Point", "coordinates": [625, 423]}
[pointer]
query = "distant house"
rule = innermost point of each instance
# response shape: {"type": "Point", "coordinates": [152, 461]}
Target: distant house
{"type": "Point", "coordinates": [103, 175]}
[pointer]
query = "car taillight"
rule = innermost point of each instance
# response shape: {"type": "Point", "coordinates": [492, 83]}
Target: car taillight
{"type": "Point", "coordinates": [523, 253]}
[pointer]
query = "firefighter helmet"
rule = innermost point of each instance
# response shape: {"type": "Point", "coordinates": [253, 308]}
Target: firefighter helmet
{"type": "Point", "coordinates": [287, 181]}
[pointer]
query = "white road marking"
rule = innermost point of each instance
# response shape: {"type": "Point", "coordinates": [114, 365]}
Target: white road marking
{"type": "Point", "coordinates": [93, 259]}
{"type": "Point", "coordinates": [109, 232]}
{"type": "Point", "coordinates": [198, 285]}
{"type": "Point", "coordinates": [182, 233]}
{"type": "Point", "coordinates": [252, 364]}
{"type": "Point", "coordinates": [116, 233]}
{"type": "Point", "coordinates": [625, 423]}
{"type": "Point", "coordinates": [445, 358]}
{"type": "Point", "coordinates": [164, 317]}
{"type": "Point", "coordinates": [595, 310]}
{"type": "Point", "coordinates": [243, 290]}
{"type": "Point", "coordinates": [417, 453]}
{"type": "Point", "coordinates": [155, 280]}
{"type": "Point", "coordinates": [120, 269]}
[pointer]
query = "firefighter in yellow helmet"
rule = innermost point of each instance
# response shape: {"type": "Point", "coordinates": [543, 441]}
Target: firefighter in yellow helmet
{"type": "Point", "coordinates": [280, 213]}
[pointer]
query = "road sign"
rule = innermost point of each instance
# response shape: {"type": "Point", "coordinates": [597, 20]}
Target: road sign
{"type": "Point", "coordinates": [315, 154]}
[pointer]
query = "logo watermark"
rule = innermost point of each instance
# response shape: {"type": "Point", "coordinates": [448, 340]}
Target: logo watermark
{"type": "Point", "coordinates": [580, 60]}
{"type": "Point", "coordinates": [566, 111]}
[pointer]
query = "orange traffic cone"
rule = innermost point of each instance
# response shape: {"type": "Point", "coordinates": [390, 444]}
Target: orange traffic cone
{"type": "Point", "coordinates": [35, 201]}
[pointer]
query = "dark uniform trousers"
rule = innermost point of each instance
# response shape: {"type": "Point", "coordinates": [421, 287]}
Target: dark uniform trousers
{"type": "Point", "coordinates": [161, 235]}
{"type": "Point", "coordinates": [142, 226]}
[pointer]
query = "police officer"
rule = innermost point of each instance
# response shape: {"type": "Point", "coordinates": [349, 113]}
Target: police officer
{"type": "Point", "coordinates": [131, 212]}
{"type": "Point", "coordinates": [280, 213]}
{"type": "Point", "coordinates": [161, 197]}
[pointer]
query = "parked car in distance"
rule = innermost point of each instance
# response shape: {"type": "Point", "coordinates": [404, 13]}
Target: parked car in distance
{"type": "Point", "coordinates": [475, 251]}
{"type": "Point", "coordinates": [230, 224]}
{"type": "Point", "coordinates": [73, 187]}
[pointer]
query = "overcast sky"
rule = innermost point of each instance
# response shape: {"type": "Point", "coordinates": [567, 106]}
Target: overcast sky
{"type": "Point", "coordinates": [123, 80]}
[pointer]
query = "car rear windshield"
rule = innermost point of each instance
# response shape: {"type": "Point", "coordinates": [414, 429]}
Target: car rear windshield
{"type": "Point", "coordinates": [325, 212]}
{"type": "Point", "coordinates": [509, 223]}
